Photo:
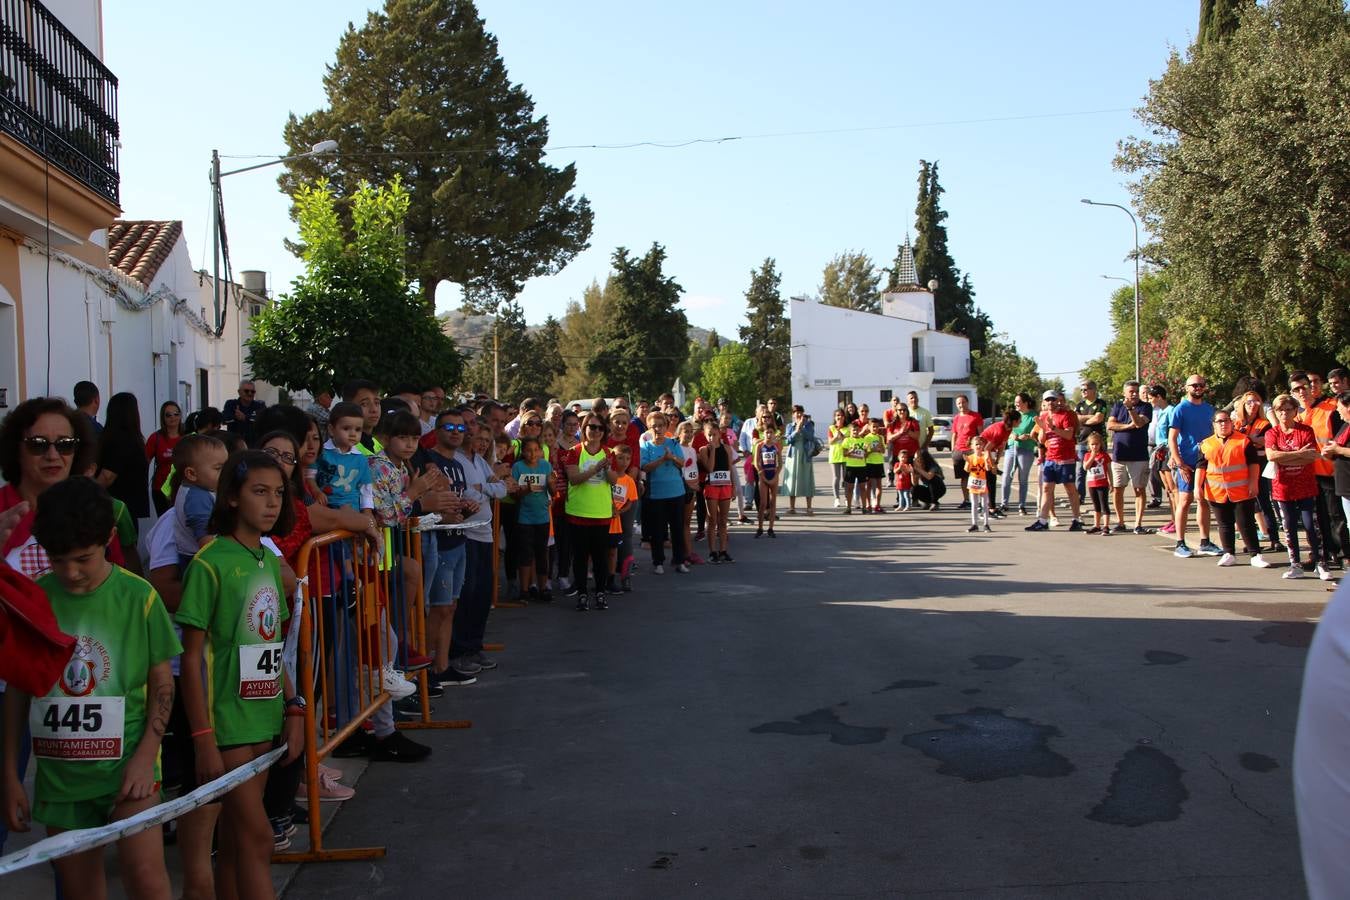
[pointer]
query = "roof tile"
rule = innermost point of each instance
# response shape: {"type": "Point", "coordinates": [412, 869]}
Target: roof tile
{"type": "Point", "coordinates": [138, 248]}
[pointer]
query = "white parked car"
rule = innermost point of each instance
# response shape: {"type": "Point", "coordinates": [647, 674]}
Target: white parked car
{"type": "Point", "coordinates": [941, 434]}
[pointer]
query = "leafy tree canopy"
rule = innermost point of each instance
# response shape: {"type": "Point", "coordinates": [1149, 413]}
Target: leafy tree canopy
{"type": "Point", "coordinates": [766, 333]}
{"type": "Point", "coordinates": [853, 281]}
{"type": "Point", "coordinates": [730, 373]}
{"type": "Point", "coordinates": [420, 92]}
{"type": "Point", "coordinates": [643, 343]}
{"type": "Point", "coordinates": [341, 314]}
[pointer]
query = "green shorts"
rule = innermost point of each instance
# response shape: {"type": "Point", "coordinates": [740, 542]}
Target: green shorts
{"type": "Point", "coordinates": [74, 815]}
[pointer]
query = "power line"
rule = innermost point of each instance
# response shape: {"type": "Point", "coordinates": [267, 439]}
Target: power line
{"type": "Point", "coordinates": [678, 143]}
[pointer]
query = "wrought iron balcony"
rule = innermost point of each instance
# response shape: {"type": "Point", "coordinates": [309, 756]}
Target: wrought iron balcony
{"type": "Point", "coordinates": [57, 97]}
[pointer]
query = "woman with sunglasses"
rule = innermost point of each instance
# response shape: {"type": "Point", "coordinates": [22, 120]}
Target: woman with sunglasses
{"type": "Point", "coordinates": [159, 450]}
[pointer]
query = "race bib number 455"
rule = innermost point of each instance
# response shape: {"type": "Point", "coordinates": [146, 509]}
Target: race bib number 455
{"type": "Point", "coordinates": [78, 728]}
{"type": "Point", "coordinates": [259, 671]}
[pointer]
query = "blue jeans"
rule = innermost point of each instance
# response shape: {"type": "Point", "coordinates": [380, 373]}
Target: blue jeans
{"type": "Point", "coordinates": [475, 600]}
{"type": "Point", "coordinates": [1080, 479]}
{"type": "Point", "coordinates": [1019, 461]}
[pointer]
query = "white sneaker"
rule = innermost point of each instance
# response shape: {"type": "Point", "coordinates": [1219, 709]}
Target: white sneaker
{"type": "Point", "coordinates": [1054, 521]}
{"type": "Point", "coordinates": [1293, 572]}
{"type": "Point", "coordinates": [1227, 560]}
{"type": "Point", "coordinates": [658, 570]}
{"type": "Point", "coordinates": [1325, 575]}
{"type": "Point", "coordinates": [836, 502]}
{"type": "Point", "coordinates": [394, 682]}
{"type": "Point", "coordinates": [1260, 562]}
{"type": "Point", "coordinates": [682, 569]}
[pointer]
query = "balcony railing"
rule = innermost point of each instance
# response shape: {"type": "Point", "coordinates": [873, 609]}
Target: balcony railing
{"type": "Point", "coordinates": [57, 97]}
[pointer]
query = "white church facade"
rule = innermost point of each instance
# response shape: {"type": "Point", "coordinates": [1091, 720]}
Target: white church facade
{"type": "Point", "coordinates": [841, 355]}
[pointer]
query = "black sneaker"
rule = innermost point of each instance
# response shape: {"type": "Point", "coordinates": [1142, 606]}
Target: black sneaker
{"type": "Point", "coordinates": [726, 557]}
{"type": "Point", "coordinates": [1076, 525]}
{"type": "Point", "coordinates": [573, 593]}
{"type": "Point", "coordinates": [988, 529]}
{"type": "Point", "coordinates": [451, 678]}
{"type": "Point", "coordinates": [361, 743]}
{"type": "Point", "coordinates": [1038, 525]}
{"type": "Point", "coordinates": [964, 504]}
{"type": "Point", "coordinates": [397, 748]}
{"type": "Point", "coordinates": [408, 708]}
{"type": "Point", "coordinates": [973, 528]}
{"type": "Point", "coordinates": [582, 603]}
{"type": "Point", "coordinates": [281, 840]}
{"type": "Point", "coordinates": [434, 690]}
{"type": "Point", "coordinates": [601, 602]}
{"type": "Point", "coordinates": [487, 662]}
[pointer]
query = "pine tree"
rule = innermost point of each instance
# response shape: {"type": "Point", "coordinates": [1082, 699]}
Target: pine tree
{"type": "Point", "coordinates": [1219, 19]}
{"type": "Point", "coordinates": [510, 337]}
{"type": "Point", "coordinates": [852, 281]}
{"type": "Point", "coordinates": [954, 299]}
{"type": "Point", "coordinates": [581, 325]}
{"type": "Point", "coordinates": [645, 341]}
{"type": "Point", "coordinates": [766, 333]}
{"type": "Point", "coordinates": [420, 91]}
{"type": "Point", "coordinates": [546, 362]}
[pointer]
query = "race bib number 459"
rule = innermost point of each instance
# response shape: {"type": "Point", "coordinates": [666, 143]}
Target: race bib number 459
{"type": "Point", "coordinates": [259, 671]}
{"type": "Point", "coordinates": [78, 728]}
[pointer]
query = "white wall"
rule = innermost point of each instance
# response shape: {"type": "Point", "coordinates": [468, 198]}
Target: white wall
{"type": "Point", "coordinates": [84, 18]}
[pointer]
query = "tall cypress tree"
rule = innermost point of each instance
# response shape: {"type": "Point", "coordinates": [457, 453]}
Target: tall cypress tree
{"type": "Point", "coordinates": [643, 344]}
{"type": "Point", "coordinates": [954, 299]}
{"type": "Point", "coordinates": [1219, 18]}
{"type": "Point", "coordinates": [420, 91]}
{"type": "Point", "coordinates": [766, 333]}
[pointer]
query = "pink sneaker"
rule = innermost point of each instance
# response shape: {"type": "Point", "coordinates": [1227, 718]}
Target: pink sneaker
{"type": "Point", "coordinates": [330, 789]}
{"type": "Point", "coordinates": [695, 559]}
{"type": "Point", "coordinates": [1169, 528]}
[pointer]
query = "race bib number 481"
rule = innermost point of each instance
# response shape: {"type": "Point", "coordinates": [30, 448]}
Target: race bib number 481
{"type": "Point", "coordinates": [259, 671]}
{"type": "Point", "coordinates": [78, 728]}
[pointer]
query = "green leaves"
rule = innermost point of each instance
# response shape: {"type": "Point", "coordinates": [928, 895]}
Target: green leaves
{"type": "Point", "coordinates": [730, 373]}
{"type": "Point", "coordinates": [644, 342]}
{"type": "Point", "coordinates": [766, 335]}
{"type": "Point", "coordinates": [853, 281]}
{"type": "Point", "coordinates": [420, 92]}
{"type": "Point", "coordinates": [351, 314]}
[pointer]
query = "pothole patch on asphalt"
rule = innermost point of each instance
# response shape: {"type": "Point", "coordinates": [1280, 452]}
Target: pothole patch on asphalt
{"type": "Point", "coordinates": [984, 744]}
{"type": "Point", "coordinates": [906, 684]}
{"type": "Point", "coordinates": [1145, 787]}
{"type": "Point", "coordinates": [1287, 634]}
{"type": "Point", "coordinates": [825, 722]}
{"type": "Point", "coordinates": [1258, 762]}
{"type": "Point", "coordinates": [992, 662]}
{"type": "Point", "coordinates": [1164, 658]}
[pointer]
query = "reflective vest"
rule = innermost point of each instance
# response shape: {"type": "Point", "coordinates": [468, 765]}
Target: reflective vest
{"type": "Point", "coordinates": [592, 498]}
{"type": "Point", "coordinates": [1319, 420]}
{"type": "Point", "coordinates": [1226, 468]}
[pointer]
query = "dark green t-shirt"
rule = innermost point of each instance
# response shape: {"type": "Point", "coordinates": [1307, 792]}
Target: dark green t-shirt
{"type": "Point", "coordinates": [1086, 409]}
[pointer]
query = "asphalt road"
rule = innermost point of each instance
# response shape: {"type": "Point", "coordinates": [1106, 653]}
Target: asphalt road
{"type": "Point", "coordinates": [879, 706]}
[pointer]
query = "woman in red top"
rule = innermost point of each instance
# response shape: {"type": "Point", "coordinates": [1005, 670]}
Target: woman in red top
{"type": "Point", "coordinates": [996, 439]}
{"type": "Point", "coordinates": [1292, 447]}
{"type": "Point", "coordinates": [159, 450]}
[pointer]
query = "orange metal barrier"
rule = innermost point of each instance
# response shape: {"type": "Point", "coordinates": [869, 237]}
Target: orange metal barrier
{"type": "Point", "coordinates": [347, 594]}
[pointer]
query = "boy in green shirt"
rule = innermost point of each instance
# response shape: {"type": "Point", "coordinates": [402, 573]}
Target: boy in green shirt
{"type": "Point", "coordinates": [855, 468]}
{"type": "Point", "coordinates": [96, 733]}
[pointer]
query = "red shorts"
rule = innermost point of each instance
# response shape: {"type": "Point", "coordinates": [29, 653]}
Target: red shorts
{"type": "Point", "coordinates": [717, 492]}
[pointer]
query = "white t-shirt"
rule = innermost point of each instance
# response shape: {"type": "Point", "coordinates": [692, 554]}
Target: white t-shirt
{"type": "Point", "coordinates": [1322, 754]}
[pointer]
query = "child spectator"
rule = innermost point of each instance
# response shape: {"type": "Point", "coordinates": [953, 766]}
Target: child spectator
{"type": "Point", "coordinates": [768, 456]}
{"type": "Point", "coordinates": [1097, 463]}
{"type": "Point", "coordinates": [875, 460]}
{"type": "Point", "coordinates": [197, 461]}
{"type": "Point", "coordinates": [97, 732]}
{"type": "Point", "coordinates": [663, 462]}
{"type": "Point", "coordinates": [855, 468]}
{"type": "Point", "coordinates": [684, 433]}
{"type": "Point", "coordinates": [232, 613]}
{"type": "Point", "coordinates": [342, 473]}
{"type": "Point", "coordinates": [625, 493]}
{"type": "Point", "coordinates": [717, 460]}
{"type": "Point", "coordinates": [903, 470]}
{"type": "Point", "coordinates": [978, 466]}
{"type": "Point", "coordinates": [534, 485]}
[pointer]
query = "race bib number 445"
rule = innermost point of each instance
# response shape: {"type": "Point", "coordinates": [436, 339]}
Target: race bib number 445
{"type": "Point", "coordinates": [78, 728]}
{"type": "Point", "coordinates": [259, 671]}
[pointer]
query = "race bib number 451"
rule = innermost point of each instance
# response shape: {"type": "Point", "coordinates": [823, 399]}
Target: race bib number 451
{"type": "Point", "coordinates": [259, 671]}
{"type": "Point", "coordinates": [78, 728]}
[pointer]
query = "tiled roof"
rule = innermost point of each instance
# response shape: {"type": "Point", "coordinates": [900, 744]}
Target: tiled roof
{"type": "Point", "coordinates": [965, 380]}
{"type": "Point", "coordinates": [137, 249]}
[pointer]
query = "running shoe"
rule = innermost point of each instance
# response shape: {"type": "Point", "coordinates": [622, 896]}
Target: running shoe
{"type": "Point", "coordinates": [451, 678]}
{"type": "Point", "coordinates": [1182, 551]}
{"type": "Point", "coordinates": [398, 748]}
{"type": "Point", "coordinates": [1054, 521]}
{"type": "Point", "coordinates": [683, 568]}
{"type": "Point", "coordinates": [1260, 562]}
{"type": "Point", "coordinates": [1022, 510]}
{"type": "Point", "coordinates": [1169, 528]}
{"type": "Point", "coordinates": [280, 839]}
{"type": "Point", "coordinates": [1095, 530]}
{"type": "Point", "coordinates": [1076, 525]}
{"type": "Point", "coordinates": [1038, 525]}
{"type": "Point", "coordinates": [726, 557]}
{"type": "Point", "coordinates": [973, 528]}
{"type": "Point", "coordinates": [465, 665]}
{"type": "Point", "coordinates": [1227, 560]}
{"type": "Point", "coordinates": [964, 504]}
{"type": "Point", "coordinates": [1325, 575]}
{"type": "Point", "coordinates": [486, 662]}
{"type": "Point", "coordinates": [1142, 530]}
{"type": "Point", "coordinates": [394, 682]}
{"type": "Point", "coordinates": [1121, 529]}
{"type": "Point", "coordinates": [1294, 571]}
{"type": "Point", "coordinates": [988, 529]}
{"type": "Point", "coordinates": [583, 603]}
{"type": "Point", "coordinates": [601, 602]}
{"type": "Point", "coordinates": [1209, 548]}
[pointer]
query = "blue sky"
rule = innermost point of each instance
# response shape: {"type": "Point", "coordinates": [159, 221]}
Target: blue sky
{"type": "Point", "coordinates": [1022, 105]}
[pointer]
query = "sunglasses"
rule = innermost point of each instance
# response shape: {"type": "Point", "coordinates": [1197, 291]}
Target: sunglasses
{"type": "Point", "coordinates": [451, 426]}
{"type": "Point", "coordinates": [285, 456]}
{"type": "Point", "coordinates": [535, 422]}
{"type": "Point", "coordinates": [1195, 386]}
{"type": "Point", "coordinates": [594, 427]}
{"type": "Point", "coordinates": [38, 446]}
{"type": "Point", "coordinates": [172, 415]}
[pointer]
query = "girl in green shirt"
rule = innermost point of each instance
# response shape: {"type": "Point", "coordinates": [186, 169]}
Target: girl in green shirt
{"type": "Point", "coordinates": [1020, 455]}
{"type": "Point", "coordinates": [232, 613]}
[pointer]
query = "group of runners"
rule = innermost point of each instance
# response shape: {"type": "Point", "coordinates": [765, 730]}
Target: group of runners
{"type": "Point", "coordinates": [1272, 470]}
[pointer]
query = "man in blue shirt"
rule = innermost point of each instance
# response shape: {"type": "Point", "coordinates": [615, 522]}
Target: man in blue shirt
{"type": "Point", "coordinates": [1128, 425]}
{"type": "Point", "coordinates": [1192, 421]}
{"type": "Point", "coordinates": [1161, 480]}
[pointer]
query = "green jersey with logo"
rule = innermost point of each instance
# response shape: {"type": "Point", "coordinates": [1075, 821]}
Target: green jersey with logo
{"type": "Point", "coordinates": [234, 595]}
{"type": "Point", "coordinates": [93, 718]}
{"type": "Point", "coordinates": [855, 452]}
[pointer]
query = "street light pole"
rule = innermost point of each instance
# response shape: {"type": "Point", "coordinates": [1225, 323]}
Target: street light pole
{"type": "Point", "coordinates": [319, 149]}
{"type": "Point", "coordinates": [1138, 373]}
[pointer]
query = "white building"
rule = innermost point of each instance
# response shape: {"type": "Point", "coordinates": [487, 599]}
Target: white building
{"type": "Point", "coordinates": [841, 355]}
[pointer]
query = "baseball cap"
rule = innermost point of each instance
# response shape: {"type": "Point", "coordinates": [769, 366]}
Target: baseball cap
{"type": "Point", "coordinates": [1050, 395]}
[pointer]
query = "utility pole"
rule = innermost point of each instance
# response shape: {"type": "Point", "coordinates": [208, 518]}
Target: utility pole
{"type": "Point", "coordinates": [496, 365]}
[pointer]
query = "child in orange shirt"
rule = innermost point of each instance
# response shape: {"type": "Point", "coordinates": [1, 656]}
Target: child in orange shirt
{"type": "Point", "coordinates": [978, 466]}
{"type": "Point", "coordinates": [1097, 465]}
{"type": "Point", "coordinates": [625, 494]}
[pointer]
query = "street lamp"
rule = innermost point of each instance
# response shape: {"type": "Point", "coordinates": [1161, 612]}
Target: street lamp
{"type": "Point", "coordinates": [1135, 222]}
{"type": "Point", "coordinates": [218, 211]}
